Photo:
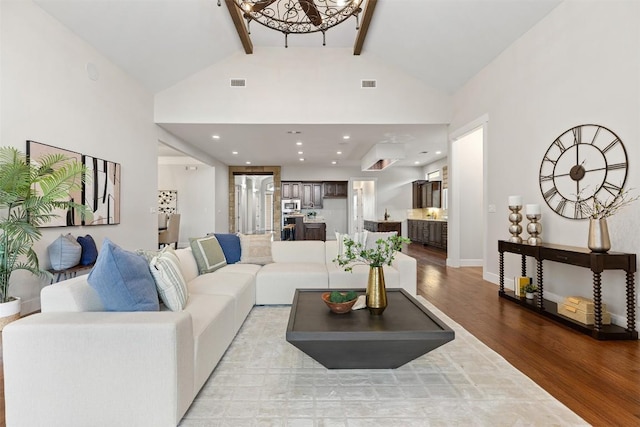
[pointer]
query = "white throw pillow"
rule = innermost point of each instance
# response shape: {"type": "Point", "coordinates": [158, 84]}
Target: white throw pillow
{"type": "Point", "coordinates": [172, 288]}
{"type": "Point", "coordinates": [360, 237]}
{"type": "Point", "coordinates": [255, 249]}
{"type": "Point", "coordinates": [374, 236]}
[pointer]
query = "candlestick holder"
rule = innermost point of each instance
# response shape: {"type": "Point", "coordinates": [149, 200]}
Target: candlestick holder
{"type": "Point", "coordinates": [515, 228]}
{"type": "Point", "coordinates": [534, 228]}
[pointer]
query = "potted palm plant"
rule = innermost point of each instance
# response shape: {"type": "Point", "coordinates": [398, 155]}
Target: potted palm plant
{"type": "Point", "coordinates": [382, 254]}
{"type": "Point", "coordinates": [31, 191]}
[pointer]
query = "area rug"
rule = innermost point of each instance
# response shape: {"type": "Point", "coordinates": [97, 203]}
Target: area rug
{"type": "Point", "coordinates": [263, 380]}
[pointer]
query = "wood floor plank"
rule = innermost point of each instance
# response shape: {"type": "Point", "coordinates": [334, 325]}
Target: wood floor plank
{"type": "Point", "coordinates": [599, 380]}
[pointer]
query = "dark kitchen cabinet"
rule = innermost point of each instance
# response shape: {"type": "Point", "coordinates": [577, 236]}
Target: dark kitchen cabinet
{"type": "Point", "coordinates": [311, 197]}
{"type": "Point", "coordinates": [315, 231]}
{"type": "Point", "coordinates": [335, 189]}
{"type": "Point", "coordinates": [427, 232]}
{"type": "Point", "coordinates": [290, 190]}
{"type": "Point", "coordinates": [426, 194]}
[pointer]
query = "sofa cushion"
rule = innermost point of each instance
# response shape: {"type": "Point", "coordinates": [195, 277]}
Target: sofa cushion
{"type": "Point", "coordinates": [89, 250]}
{"type": "Point", "coordinates": [188, 264]}
{"type": "Point", "coordinates": [165, 269]}
{"type": "Point", "coordinates": [255, 248]}
{"type": "Point", "coordinates": [276, 283]}
{"type": "Point", "coordinates": [359, 277]}
{"type": "Point", "coordinates": [123, 281]}
{"type": "Point", "coordinates": [298, 251]}
{"type": "Point", "coordinates": [230, 244]}
{"type": "Point", "coordinates": [208, 254]}
{"type": "Point", "coordinates": [64, 252]}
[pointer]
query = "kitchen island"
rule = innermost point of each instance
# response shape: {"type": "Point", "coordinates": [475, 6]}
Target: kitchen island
{"type": "Point", "coordinates": [307, 228]}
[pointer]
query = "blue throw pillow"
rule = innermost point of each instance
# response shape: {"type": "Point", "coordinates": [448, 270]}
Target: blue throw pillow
{"type": "Point", "coordinates": [230, 244]}
{"type": "Point", "coordinates": [123, 281]}
{"type": "Point", "coordinates": [89, 250]}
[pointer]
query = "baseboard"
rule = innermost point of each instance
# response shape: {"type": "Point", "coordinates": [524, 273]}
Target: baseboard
{"type": "Point", "coordinates": [471, 262]}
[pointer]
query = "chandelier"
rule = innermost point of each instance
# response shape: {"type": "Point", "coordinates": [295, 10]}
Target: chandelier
{"type": "Point", "coordinates": [298, 16]}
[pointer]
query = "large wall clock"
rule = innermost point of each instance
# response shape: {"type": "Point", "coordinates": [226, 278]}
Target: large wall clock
{"type": "Point", "coordinates": [585, 162]}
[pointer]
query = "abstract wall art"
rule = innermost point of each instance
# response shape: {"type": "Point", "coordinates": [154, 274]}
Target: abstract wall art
{"type": "Point", "coordinates": [35, 150]}
{"type": "Point", "coordinates": [102, 191]}
{"type": "Point", "coordinates": [167, 201]}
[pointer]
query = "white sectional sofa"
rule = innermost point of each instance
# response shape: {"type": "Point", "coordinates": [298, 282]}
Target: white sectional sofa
{"type": "Point", "coordinates": [74, 364]}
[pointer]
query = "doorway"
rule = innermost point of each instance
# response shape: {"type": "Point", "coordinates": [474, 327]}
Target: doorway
{"type": "Point", "coordinates": [362, 193]}
{"type": "Point", "coordinates": [254, 200]}
{"type": "Point", "coordinates": [467, 220]}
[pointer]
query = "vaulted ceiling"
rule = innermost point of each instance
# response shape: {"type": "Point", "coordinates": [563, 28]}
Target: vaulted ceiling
{"type": "Point", "coordinates": [443, 43]}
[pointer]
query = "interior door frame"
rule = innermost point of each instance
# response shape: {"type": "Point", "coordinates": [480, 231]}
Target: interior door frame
{"type": "Point", "coordinates": [277, 205]}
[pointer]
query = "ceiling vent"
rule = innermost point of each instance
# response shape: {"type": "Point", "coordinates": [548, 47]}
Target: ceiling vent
{"type": "Point", "coordinates": [238, 82]}
{"type": "Point", "coordinates": [368, 84]}
{"type": "Point", "coordinates": [381, 156]}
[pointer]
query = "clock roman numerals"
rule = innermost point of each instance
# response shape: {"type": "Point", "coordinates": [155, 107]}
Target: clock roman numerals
{"type": "Point", "coordinates": [548, 195]}
{"type": "Point", "coordinates": [544, 178]}
{"type": "Point", "coordinates": [615, 166]}
{"type": "Point", "coordinates": [560, 145]}
{"type": "Point", "coordinates": [561, 206]}
{"type": "Point", "coordinates": [611, 145]}
{"type": "Point", "coordinates": [613, 189]}
{"type": "Point", "coordinates": [577, 135]}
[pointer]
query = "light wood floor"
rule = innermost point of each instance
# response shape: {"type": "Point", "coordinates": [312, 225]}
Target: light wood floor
{"type": "Point", "coordinates": [599, 380]}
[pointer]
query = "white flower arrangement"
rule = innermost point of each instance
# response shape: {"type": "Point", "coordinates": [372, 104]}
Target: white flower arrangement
{"type": "Point", "coordinates": [604, 209]}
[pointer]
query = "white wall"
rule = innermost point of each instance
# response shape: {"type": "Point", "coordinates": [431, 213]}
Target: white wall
{"type": "Point", "coordinates": [433, 167]}
{"type": "Point", "coordinates": [296, 85]}
{"type": "Point", "coordinates": [581, 64]}
{"type": "Point", "coordinates": [47, 97]}
{"type": "Point", "coordinates": [196, 199]}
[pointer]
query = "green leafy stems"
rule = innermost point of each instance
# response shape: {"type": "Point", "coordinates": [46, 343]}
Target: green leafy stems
{"type": "Point", "coordinates": [30, 194]}
{"type": "Point", "coordinates": [382, 254]}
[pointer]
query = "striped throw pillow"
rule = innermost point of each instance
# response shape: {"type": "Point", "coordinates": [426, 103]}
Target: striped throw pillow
{"type": "Point", "coordinates": [165, 269]}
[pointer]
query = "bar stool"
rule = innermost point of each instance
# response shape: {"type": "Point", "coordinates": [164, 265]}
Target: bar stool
{"type": "Point", "coordinates": [289, 232]}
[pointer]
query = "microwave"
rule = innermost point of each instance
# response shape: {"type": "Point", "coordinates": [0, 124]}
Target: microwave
{"type": "Point", "coordinates": [290, 205]}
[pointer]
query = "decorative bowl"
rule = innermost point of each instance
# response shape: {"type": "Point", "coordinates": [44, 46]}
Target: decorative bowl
{"type": "Point", "coordinates": [338, 307]}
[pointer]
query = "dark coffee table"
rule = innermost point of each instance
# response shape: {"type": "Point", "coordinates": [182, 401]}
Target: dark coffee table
{"type": "Point", "coordinates": [357, 340]}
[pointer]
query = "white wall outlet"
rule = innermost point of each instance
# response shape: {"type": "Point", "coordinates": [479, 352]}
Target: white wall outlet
{"type": "Point", "coordinates": [492, 208]}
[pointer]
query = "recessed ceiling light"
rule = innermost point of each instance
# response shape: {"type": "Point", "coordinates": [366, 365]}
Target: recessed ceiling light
{"type": "Point", "coordinates": [338, 152]}
{"type": "Point", "coordinates": [334, 162]}
{"type": "Point", "coordinates": [215, 136]}
{"type": "Point", "coordinates": [300, 152]}
{"type": "Point", "coordinates": [346, 137]}
{"type": "Point", "coordinates": [302, 159]}
{"type": "Point", "coordinates": [248, 163]}
{"type": "Point", "coordinates": [438, 152]}
{"type": "Point", "coordinates": [416, 162]}
{"type": "Point", "coordinates": [298, 143]}
{"type": "Point", "coordinates": [234, 152]}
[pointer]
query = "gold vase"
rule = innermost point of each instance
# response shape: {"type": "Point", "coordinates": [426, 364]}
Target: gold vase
{"type": "Point", "coordinates": [598, 235]}
{"type": "Point", "coordinates": [376, 291]}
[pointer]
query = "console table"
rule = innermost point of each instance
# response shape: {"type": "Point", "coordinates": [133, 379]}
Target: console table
{"type": "Point", "coordinates": [582, 257]}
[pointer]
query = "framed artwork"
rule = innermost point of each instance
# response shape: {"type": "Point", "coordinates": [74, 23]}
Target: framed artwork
{"type": "Point", "coordinates": [36, 150]}
{"type": "Point", "coordinates": [102, 191]}
{"type": "Point", "coordinates": [167, 201]}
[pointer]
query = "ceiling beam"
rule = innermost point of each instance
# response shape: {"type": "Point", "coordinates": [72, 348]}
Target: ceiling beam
{"type": "Point", "coordinates": [364, 26]}
{"type": "Point", "coordinates": [238, 21]}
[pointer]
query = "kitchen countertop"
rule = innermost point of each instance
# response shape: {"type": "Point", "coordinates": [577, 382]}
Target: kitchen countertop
{"type": "Point", "coordinates": [429, 219]}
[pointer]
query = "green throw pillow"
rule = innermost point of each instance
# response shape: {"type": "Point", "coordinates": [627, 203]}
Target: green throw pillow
{"type": "Point", "coordinates": [208, 254]}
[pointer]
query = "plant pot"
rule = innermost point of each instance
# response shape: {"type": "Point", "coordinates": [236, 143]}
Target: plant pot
{"type": "Point", "coordinates": [376, 291]}
{"type": "Point", "coordinates": [598, 235]}
{"type": "Point", "coordinates": [9, 311]}
{"type": "Point", "coordinates": [529, 295]}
